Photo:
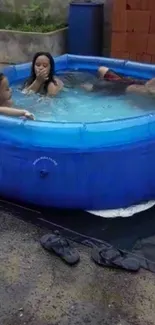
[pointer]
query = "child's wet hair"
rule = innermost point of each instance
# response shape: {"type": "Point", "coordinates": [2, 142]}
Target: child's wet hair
{"type": "Point", "coordinates": [51, 72]}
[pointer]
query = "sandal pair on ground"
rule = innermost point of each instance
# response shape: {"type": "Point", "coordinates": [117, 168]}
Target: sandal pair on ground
{"type": "Point", "coordinates": [105, 255]}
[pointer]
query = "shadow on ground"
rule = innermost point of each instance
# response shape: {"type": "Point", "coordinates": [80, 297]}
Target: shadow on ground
{"type": "Point", "coordinates": [37, 288]}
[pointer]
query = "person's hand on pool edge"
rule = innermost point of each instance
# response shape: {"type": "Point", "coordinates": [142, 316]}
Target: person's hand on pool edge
{"type": "Point", "coordinates": [28, 115]}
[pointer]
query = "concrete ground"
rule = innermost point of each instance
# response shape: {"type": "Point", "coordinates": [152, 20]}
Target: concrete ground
{"type": "Point", "coordinates": [37, 288]}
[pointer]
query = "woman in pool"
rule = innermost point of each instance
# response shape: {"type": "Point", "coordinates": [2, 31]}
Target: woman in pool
{"type": "Point", "coordinates": [120, 83]}
{"type": "Point", "coordinates": [6, 101]}
{"type": "Point", "coordinates": [42, 79]}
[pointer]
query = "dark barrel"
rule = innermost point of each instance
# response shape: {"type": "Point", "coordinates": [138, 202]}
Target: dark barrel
{"type": "Point", "coordinates": [85, 34]}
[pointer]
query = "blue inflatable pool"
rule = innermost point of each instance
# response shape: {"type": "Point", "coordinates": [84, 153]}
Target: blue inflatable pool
{"type": "Point", "coordinates": [90, 166]}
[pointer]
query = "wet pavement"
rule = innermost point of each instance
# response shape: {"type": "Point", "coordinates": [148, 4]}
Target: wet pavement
{"type": "Point", "coordinates": [37, 288]}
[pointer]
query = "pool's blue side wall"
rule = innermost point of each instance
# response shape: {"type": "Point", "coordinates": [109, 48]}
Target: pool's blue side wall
{"type": "Point", "coordinates": [97, 180]}
{"type": "Point", "coordinates": [88, 166]}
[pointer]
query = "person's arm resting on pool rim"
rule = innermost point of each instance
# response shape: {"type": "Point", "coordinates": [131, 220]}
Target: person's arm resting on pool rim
{"type": "Point", "coordinates": [9, 111]}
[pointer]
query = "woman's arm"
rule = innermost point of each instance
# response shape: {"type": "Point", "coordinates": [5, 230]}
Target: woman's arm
{"type": "Point", "coordinates": [9, 111]}
{"type": "Point", "coordinates": [41, 77]}
{"type": "Point", "coordinates": [35, 86]}
{"type": "Point", "coordinates": [53, 89]}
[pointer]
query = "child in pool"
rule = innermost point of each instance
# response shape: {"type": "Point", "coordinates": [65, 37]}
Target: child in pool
{"type": "Point", "coordinates": [42, 79]}
{"type": "Point", "coordinates": [6, 101]}
{"type": "Point", "coordinates": [123, 84]}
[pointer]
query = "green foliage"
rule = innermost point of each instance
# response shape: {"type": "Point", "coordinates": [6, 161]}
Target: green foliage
{"type": "Point", "coordinates": [36, 13]}
{"type": "Point", "coordinates": [32, 18]}
{"type": "Point", "coordinates": [36, 29]}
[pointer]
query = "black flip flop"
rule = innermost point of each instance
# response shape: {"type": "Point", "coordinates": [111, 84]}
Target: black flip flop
{"type": "Point", "coordinates": [108, 256]}
{"type": "Point", "coordinates": [60, 246]}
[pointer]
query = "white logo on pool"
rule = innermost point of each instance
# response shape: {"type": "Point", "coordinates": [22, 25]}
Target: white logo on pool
{"type": "Point", "coordinates": [45, 158]}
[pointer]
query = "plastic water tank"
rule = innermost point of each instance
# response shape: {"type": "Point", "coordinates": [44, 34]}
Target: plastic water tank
{"type": "Point", "coordinates": [85, 34]}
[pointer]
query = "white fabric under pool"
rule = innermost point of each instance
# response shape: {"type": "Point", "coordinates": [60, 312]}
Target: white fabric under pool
{"type": "Point", "coordinates": [124, 213]}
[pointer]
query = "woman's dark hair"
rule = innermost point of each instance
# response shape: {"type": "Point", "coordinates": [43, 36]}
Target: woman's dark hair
{"type": "Point", "coordinates": [44, 88]}
{"type": "Point", "coordinates": [1, 76]}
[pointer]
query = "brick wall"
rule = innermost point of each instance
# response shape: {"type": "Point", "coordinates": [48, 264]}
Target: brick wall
{"type": "Point", "coordinates": [133, 30]}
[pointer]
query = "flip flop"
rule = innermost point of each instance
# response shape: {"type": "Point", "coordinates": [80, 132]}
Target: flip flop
{"type": "Point", "coordinates": [60, 246]}
{"type": "Point", "coordinates": [108, 256]}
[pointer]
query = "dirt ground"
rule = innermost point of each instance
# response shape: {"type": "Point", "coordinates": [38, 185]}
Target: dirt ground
{"type": "Point", "coordinates": [37, 288]}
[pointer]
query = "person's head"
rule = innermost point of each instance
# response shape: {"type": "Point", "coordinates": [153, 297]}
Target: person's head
{"type": "Point", "coordinates": [5, 90]}
{"type": "Point", "coordinates": [43, 60]}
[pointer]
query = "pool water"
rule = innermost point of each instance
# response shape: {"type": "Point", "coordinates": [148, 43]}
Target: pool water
{"type": "Point", "coordinates": [74, 104]}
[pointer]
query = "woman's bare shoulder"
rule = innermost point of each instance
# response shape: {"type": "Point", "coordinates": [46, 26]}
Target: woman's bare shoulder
{"type": "Point", "coordinates": [54, 88]}
{"type": "Point", "coordinates": [59, 82]}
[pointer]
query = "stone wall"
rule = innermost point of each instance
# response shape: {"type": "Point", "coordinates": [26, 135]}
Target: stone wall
{"type": "Point", "coordinates": [18, 47]}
